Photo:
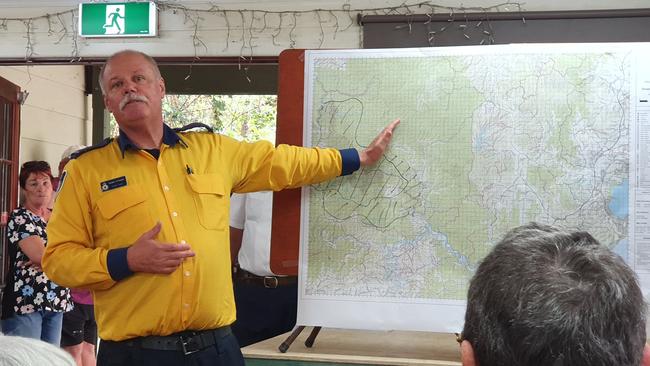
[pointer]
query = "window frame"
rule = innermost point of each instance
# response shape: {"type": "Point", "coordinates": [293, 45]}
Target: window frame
{"type": "Point", "coordinates": [9, 161]}
{"type": "Point", "coordinates": [226, 76]}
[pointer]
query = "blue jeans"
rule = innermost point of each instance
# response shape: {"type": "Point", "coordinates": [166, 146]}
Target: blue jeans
{"type": "Point", "coordinates": [44, 325]}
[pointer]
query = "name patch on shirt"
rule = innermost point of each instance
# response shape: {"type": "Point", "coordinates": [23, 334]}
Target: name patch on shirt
{"type": "Point", "coordinates": [113, 183]}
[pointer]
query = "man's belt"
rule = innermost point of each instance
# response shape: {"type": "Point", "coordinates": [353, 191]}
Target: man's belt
{"type": "Point", "coordinates": [187, 342]}
{"type": "Point", "coordinates": [243, 276]}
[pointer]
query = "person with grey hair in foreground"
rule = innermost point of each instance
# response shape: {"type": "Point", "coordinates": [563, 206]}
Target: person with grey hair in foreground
{"type": "Point", "coordinates": [21, 351]}
{"type": "Point", "coordinates": [549, 297]}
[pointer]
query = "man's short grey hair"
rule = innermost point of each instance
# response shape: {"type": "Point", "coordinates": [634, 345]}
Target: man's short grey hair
{"type": "Point", "coordinates": [20, 351]}
{"type": "Point", "coordinates": [548, 297]}
{"type": "Point", "coordinates": [148, 58]}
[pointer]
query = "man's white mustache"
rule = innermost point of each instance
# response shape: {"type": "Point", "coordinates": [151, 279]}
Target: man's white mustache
{"type": "Point", "coordinates": [132, 97]}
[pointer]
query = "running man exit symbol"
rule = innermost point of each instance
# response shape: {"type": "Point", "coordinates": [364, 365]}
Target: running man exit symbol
{"type": "Point", "coordinates": [131, 19]}
{"type": "Point", "coordinates": [114, 19]}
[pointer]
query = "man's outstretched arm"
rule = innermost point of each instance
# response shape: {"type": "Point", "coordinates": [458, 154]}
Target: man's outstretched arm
{"type": "Point", "coordinates": [371, 154]}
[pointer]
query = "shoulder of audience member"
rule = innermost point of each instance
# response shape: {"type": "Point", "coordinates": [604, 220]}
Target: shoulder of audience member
{"type": "Point", "coordinates": [21, 351]}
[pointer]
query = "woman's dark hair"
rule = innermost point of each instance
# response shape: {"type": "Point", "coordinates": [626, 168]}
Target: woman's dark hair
{"type": "Point", "coordinates": [36, 167]}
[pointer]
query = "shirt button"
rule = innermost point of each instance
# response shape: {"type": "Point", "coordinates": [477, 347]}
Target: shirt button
{"type": "Point", "coordinates": [166, 188]}
{"type": "Point", "coordinates": [187, 273]}
{"type": "Point", "coordinates": [174, 213]}
{"type": "Point", "coordinates": [183, 242]}
{"type": "Point", "coordinates": [186, 306]}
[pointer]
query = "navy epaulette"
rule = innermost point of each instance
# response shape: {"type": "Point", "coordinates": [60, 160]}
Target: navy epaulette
{"type": "Point", "coordinates": [78, 153]}
{"type": "Point", "coordinates": [193, 126]}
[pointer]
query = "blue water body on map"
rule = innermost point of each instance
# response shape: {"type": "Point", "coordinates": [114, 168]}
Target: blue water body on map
{"type": "Point", "coordinates": [621, 249]}
{"type": "Point", "coordinates": [461, 258]}
{"type": "Point", "coordinates": [618, 206]}
{"type": "Point", "coordinates": [479, 140]}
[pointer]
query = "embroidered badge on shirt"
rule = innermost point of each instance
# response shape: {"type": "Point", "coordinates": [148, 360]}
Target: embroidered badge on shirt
{"type": "Point", "coordinates": [113, 183]}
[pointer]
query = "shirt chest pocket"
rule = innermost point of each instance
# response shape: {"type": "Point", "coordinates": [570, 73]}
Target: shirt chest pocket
{"type": "Point", "coordinates": [210, 198]}
{"type": "Point", "coordinates": [125, 214]}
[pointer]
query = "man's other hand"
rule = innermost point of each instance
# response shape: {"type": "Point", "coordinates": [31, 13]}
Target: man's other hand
{"type": "Point", "coordinates": [371, 154]}
{"type": "Point", "coordinates": [151, 256]}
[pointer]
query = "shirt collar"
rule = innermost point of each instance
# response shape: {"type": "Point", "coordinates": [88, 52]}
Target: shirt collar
{"type": "Point", "coordinates": [170, 138]}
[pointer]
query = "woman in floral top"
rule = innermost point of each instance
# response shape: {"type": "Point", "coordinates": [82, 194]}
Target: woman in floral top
{"type": "Point", "coordinates": [32, 306]}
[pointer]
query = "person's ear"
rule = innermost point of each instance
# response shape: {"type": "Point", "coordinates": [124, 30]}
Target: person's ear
{"type": "Point", "coordinates": [645, 360]}
{"type": "Point", "coordinates": [163, 88]}
{"type": "Point", "coordinates": [106, 103]}
{"type": "Point", "coordinates": [467, 354]}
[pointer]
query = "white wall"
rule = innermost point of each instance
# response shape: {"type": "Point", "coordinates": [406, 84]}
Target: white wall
{"type": "Point", "coordinates": [56, 112]}
{"type": "Point", "coordinates": [177, 27]}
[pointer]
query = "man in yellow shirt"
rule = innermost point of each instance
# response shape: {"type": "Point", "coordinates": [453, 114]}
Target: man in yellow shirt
{"type": "Point", "coordinates": [142, 221]}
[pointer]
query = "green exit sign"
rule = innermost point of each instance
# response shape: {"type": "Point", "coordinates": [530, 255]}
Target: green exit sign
{"type": "Point", "coordinates": [132, 19]}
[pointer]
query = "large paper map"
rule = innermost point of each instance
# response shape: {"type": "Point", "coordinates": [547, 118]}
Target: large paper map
{"type": "Point", "coordinates": [491, 138]}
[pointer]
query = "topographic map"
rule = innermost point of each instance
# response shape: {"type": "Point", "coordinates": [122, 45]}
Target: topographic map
{"type": "Point", "coordinates": [488, 141]}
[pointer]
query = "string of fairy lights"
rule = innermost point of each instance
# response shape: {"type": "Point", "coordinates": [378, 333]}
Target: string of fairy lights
{"type": "Point", "coordinates": [243, 28]}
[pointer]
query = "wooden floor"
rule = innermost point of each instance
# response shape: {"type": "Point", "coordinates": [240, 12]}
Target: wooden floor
{"type": "Point", "coordinates": [355, 347]}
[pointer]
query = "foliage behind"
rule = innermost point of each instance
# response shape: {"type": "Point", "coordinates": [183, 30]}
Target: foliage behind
{"type": "Point", "coordinates": [244, 117]}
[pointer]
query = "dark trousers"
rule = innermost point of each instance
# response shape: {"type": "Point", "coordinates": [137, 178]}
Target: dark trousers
{"type": "Point", "coordinates": [262, 312]}
{"type": "Point", "coordinates": [223, 353]}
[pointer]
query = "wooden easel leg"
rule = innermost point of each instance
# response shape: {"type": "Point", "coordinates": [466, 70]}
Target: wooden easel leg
{"type": "Point", "coordinates": [312, 337]}
{"type": "Point", "coordinates": [292, 337]}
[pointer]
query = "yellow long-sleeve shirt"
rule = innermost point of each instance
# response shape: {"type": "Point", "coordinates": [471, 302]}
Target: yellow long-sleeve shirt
{"type": "Point", "coordinates": [112, 195]}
